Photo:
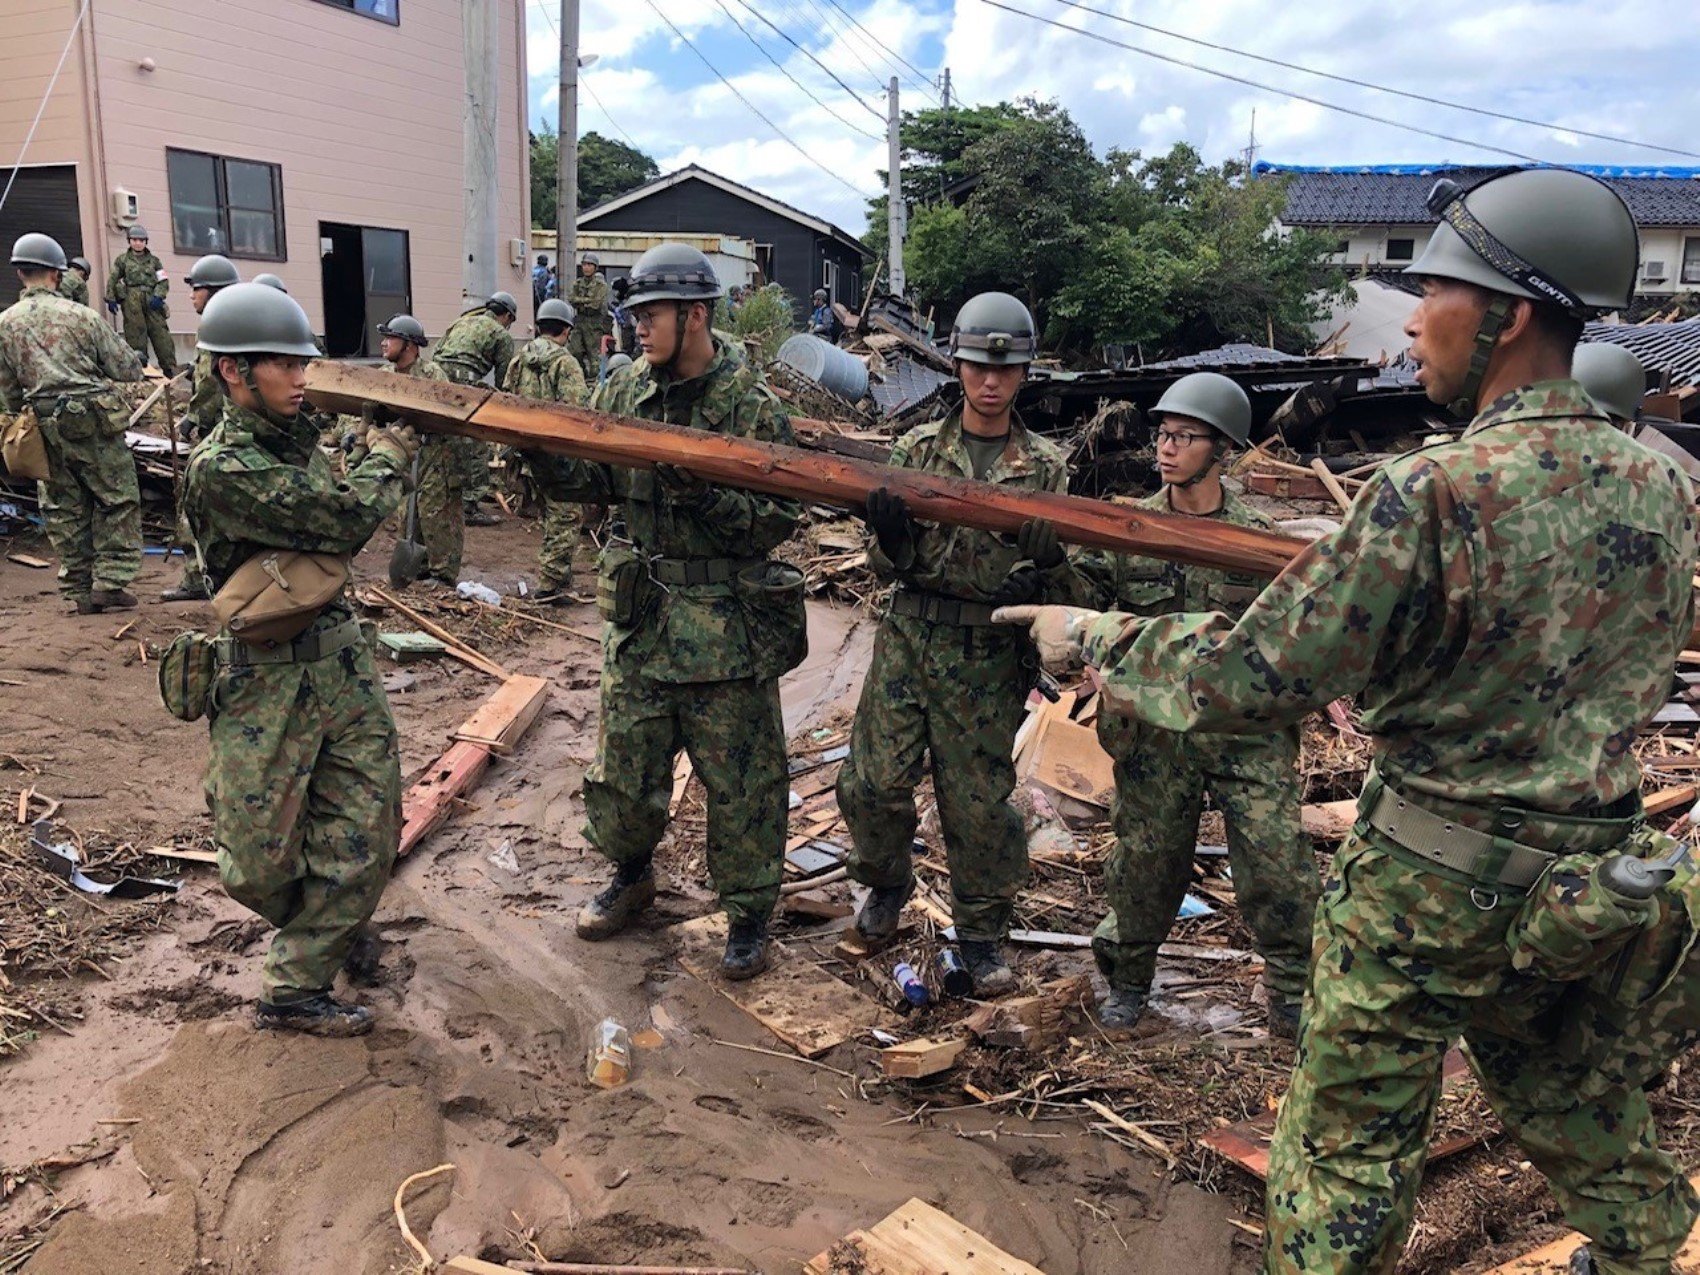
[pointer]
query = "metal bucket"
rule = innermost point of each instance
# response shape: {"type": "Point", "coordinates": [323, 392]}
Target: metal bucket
{"type": "Point", "coordinates": [826, 365]}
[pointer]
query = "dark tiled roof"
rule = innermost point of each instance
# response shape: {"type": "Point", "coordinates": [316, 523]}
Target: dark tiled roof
{"type": "Point", "coordinates": [1378, 197]}
{"type": "Point", "coordinates": [1661, 347]}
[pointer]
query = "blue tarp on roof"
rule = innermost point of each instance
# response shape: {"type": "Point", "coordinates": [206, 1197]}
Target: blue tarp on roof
{"type": "Point", "coordinates": [1399, 170]}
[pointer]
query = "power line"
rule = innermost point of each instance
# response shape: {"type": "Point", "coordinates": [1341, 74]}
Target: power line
{"type": "Point", "coordinates": [1266, 88]}
{"type": "Point", "coordinates": [811, 13]}
{"type": "Point", "coordinates": [542, 7]}
{"type": "Point", "coordinates": [920, 75]}
{"type": "Point", "coordinates": [855, 128]}
{"type": "Point", "coordinates": [1379, 88]}
{"type": "Point", "coordinates": [854, 37]}
{"type": "Point", "coordinates": [781, 133]}
{"type": "Point", "coordinates": [749, 8]}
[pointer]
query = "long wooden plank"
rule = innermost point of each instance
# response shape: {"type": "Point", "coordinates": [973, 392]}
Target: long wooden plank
{"type": "Point", "coordinates": [1554, 1258]}
{"type": "Point", "coordinates": [475, 412]}
{"type": "Point", "coordinates": [918, 1239]}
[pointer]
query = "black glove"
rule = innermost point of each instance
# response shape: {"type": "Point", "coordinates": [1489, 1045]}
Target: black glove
{"type": "Point", "coordinates": [112, 307]}
{"type": "Point", "coordinates": [1037, 542]}
{"type": "Point", "coordinates": [1019, 587]}
{"type": "Point", "coordinates": [892, 527]}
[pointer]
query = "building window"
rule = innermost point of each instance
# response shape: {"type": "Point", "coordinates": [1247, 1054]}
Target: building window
{"type": "Point", "coordinates": [232, 206]}
{"type": "Point", "coordinates": [764, 262]}
{"type": "Point", "coordinates": [829, 279]}
{"type": "Point", "coordinates": [383, 10]}
{"type": "Point", "coordinates": [1342, 247]}
{"type": "Point", "coordinates": [1691, 260]}
{"type": "Point", "coordinates": [1401, 249]}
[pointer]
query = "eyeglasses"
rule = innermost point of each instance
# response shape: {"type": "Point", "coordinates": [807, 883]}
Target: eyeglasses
{"type": "Point", "coordinates": [1180, 439]}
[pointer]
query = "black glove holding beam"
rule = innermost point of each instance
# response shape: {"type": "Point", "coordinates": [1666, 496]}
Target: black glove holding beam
{"type": "Point", "coordinates": [888, 517]}
{"type": "Point", "coordinates": [1039, 551]}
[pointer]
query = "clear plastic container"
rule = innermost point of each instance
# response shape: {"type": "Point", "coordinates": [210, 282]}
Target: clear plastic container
{"type": "Point", "coordinates": [609, 1062]}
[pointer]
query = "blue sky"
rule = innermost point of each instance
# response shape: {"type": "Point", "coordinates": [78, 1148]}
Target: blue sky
{"type": "Point", "coordinates": [1623, 69]}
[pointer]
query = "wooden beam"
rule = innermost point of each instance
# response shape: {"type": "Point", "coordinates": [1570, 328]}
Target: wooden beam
{"type": "Point", "coordinates": [506, 715]}
{"type": "Point", "coordinates": [476, 412]}
{"type": "Point", "coordinates": [915, 1059]}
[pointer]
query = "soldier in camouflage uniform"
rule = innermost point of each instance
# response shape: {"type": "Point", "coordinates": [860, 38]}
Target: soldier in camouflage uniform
{"type": "Point", "coordinates": [60, 359]}
{"type": "Point", "coordinates": [1162, 776]}
{"type": "Point", "coordinates": [945, 682]}
{"type": "Point", "coordinates": [689, 656]}
{"type": "Point", "coordinates": [303, 774]}
{"type": "Point", "coordinates": [546, 370]}
{"type": "Point", "coordinates": [442, 528]}
{"type": "Point", "coordinates": [207, 277]}
{"type": "Point", "coordinates": [74, 283]}
{"type": "Point", "coordinates": [136, 288]}
{"type": "Point", "coordinates": [589, 297]}
{"type": "Point", "coordinates": [1508, 607]}
{"type": "Point", "coordinates": [477, 347]}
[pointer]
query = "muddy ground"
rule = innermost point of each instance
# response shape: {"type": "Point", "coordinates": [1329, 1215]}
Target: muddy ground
{"type": "Point", "coordinates": [243, 1152]}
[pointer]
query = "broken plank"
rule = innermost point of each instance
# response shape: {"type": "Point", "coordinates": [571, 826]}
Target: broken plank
{"type": "Point", "coordinates": [918, 1239]}
{"type": "Point", "coordinates": [915, 1059]}
{"type": "Point", "coordinates": [505, 716]}
{"type": "Point", "coordinates": [800, 1003]}
{"type": "Point", "coordinates": [1554, 1258]}
{"type": "Point", "coordinates": [187, 856]}
{"type": "Point", "coordinates": [1668, 799]}
{"type": "Point", "coordinates": [29, 560]}
{"type": "Point", "coordinates": [426, 806]}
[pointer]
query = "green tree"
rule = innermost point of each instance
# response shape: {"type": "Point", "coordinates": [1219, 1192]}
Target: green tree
{"type": "Point", "coordinates": [545, 167]}
{"type": "Point", "coordinates": [605, 169]}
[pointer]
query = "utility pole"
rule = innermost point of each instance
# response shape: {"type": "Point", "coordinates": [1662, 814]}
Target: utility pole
{"type": "Point", "coordinates": [895, 213]}
{"type": "Point", "coordinates": [944, 90]}
{"type": "Point", "coordinates": [478, 165]}
{"type": "Point", "coordinates": [1251, 145]}
{"type": "Point", "coordinates": [566, 167]}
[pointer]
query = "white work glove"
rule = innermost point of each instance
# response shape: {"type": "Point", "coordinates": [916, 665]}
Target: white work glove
{"type": "Point", "coordinates": [1058, 632]}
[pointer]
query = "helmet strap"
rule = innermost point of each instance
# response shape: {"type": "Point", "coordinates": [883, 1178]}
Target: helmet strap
{"type": "Point", "coordinates": [683, 313]}
{"type": "Point", "coordinates": [1218, 451]}
{"type": "Point", "coordinates": [1487, 336]}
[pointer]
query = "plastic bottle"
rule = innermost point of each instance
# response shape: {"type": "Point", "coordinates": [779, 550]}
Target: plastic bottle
{"type": "Point", "coordinates": [914, 990]}
{"type": "Point", "coordinates": [610, 1060]}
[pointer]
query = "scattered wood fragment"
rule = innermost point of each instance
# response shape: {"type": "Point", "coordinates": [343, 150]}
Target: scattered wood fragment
{"type": "Point", "coordinates": [1030, 1022]}
{"type": "Point", "coordinates": [401, 1213]}
{"type": "Point", "coordinates": [29, 560]}
{"type": "Point", "coordinates": [187, 856]}
{"type": "Point", "coordinates": [592, 638]}
{"type": "Point", "coordinates": [1554, 1258]}
{"type": "Point", "coordinates": [1668, 799]}
{"type": "Point", "coordinates": [597, 1268]}
{"type": "Point", "coordinates": [1332, 483]}
{"type": "Point", "coordinates": [460, 650]}
{"type": "Point", "coordinates": [1143, 1136]}
{"type": "Point", "coordinates": [119, 636]}
{"type": "Point", "coordinates": [917, 1239]}
{"type": "Point", "coordinates": [500, 720]}
{"type": "Point", "coordinates": [915, 1059]}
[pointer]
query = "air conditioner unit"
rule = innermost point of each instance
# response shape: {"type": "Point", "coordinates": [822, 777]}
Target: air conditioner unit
{"type": "Point", "coordinates": [126, 208]}
{"type": "Point", "coordinates": [1651, 270]}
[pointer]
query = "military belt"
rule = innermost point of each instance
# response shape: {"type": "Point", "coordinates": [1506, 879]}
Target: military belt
{"type": "Point", "coordinates": [937, 609]}
{"type": "Point", "coordinates": [1496, 859]}
{"type": "Point", "coordinates": [688, 571]}
{"type": "Point", "coordinates": [303, 650]}
{"type": "Point", "coordinates": [49, 405]}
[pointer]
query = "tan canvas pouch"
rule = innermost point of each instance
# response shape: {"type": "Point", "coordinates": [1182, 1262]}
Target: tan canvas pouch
{"type": "Point", "coordinates": [22, 447]}
{"type": "Point", "coordinates": [277, 593]}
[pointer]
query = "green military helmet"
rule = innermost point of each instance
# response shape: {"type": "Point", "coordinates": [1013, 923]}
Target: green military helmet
{"type": "Point", "coordinates": [555, 310]}
{"type": "Point", "coordinates": [616, 362]}
{"type": "Point", "coordinates": [82, 263]}
{"type": "Point", "coordinates": [405, 327]}
{"type": "Point", "coordinates": [590, 259]}
{"type": "Point", "coordinates": [213, 271]}
{"type": "Point", "coordinates": [138, 231]}
{"type": "Point", "coordinates": [271, 281]}
{"type": "Point", "coordinates": [670, 272]}
{"type": "Point", "coordinates": [1613, 377]}
{"type": "Point", "coordinates": [36, 249]}
{"type": "Point", "coordinates": [1547, 234]}
{"type": "Point", "coordinates": [504, 303]}
{"type": "Point", "coordinates": [1212, 398]}
{"type": "Point", "coordinates": [250, 318]}
{"type": "Point", "coordinates": [994, 328]}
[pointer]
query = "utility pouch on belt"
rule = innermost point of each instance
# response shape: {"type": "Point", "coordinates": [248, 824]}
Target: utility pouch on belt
{"type": "Point", "coordinates": [771, 595]}
{"type": "Point", "coordinates": [1572, 923]}
{"type": "Point", "coordinates": [621, 585]}
{"type": "Point", "coordinates": [278, 593]}
{"type": "Point", "coordinates": [21, 445]}
{"type": "Point", "coordinates": [186, 673]}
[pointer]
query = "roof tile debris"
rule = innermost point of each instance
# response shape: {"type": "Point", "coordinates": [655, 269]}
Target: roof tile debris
{"type": "Point", "coordinates": [1661, 347]}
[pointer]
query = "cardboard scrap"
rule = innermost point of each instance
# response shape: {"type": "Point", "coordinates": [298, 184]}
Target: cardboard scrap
{"type": "Point", "coordinates": [1031, 1022]}
{"type": "Point", "coordinates": [1065, 756]}
{"type": "Point", "coordinates": [918, 1239]}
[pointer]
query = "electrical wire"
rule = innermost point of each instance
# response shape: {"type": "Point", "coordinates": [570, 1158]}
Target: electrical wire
{"type": "Point", "coordinates": [1379, 88]}
{"type": "Point", "coordinates": [752, 108]}
{"type": "Point", "coordinates": [42, 109]}
{"type": "Point", "coordinates": [921, 78]}
{"type": "Point", "coordinates": [749, 8]}
{"type": "Point", "coordinates": [810, 12]}
{"type": "Point", "coordinates": [583, 83]}
{"type": "Point", "coordinates": [1267, 88]}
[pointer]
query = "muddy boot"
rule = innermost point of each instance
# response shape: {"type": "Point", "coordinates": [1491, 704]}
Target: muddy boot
{"type": "Point", "coordinates": [630, 892]}
{"type": "Point", "coordinates": [1284, 1019]}
{"type": "Point", "coordinates": [992, 974]}
{"type": "Point", "coordinates": [1123, 1008]}
{"type": "Point", "coordinates": [478, 516]}
{"type": "Point", "coordinates": [110, 600]}
{"type": "Point", "coordinates": [361, 965]}
{"type": "Point", "coordinates": [185, 592]}
{"type": "Point", "coordinates": [320, 1016]}
{"type": "Point", "coordinates": [881, 911]}
{"type": "Point", "coordinates": [86, 606]}
{"type": "Point", "coordinates": [746, 949]}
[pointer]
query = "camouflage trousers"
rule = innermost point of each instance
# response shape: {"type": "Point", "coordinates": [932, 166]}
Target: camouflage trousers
{"type": "Point", "coordinates": [585, 344]}
{"type": "Point", "coordinates": [143, 327]}
{"type": "Point", "coordinates": [735, 737]}
{"type": "Point", "coordinates": [953, 694]}
{"type": "Point", "coordinates": [304, 780]}
{"type": "Point", "coordinates": [91, 503]}
{"type": "Point", "coordinates": [475, 457]}
{"type": "Point", "coordinates": [1161, 780]}
{"type": "Point", "coordinates": [562, 531]}
{"type": "Point", "coordinates": [442, 516]}
{"type": "Point", "coordinates": [1406, 961]}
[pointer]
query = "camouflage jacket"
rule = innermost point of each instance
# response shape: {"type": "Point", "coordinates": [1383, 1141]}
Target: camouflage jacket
{"type": "Point", "coordinates": [961, 562]}
{"type": "Point", "coordinates": [696, 630]}
{"type": "Point", "coordinates": [589, 298]}
{"type": "Point", "coordinates": [51, 346]}
{"type": "Point", "coordinates": [253, 484]}
{"type": "Point", "coordinates": [141, 273]}
{"type": "Point", "coordinates": [73, 287]}
{"type": "Point", "coordinates": [1508, 608]}
{"type": "Point", "coordinates": [1149, 586]}
{"type": "Point", "coordinates": [206, 400]}
{"type": "Point", "coordinates": [477, 345]}
{"type": "Point", "coordinates": [548, 372]}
